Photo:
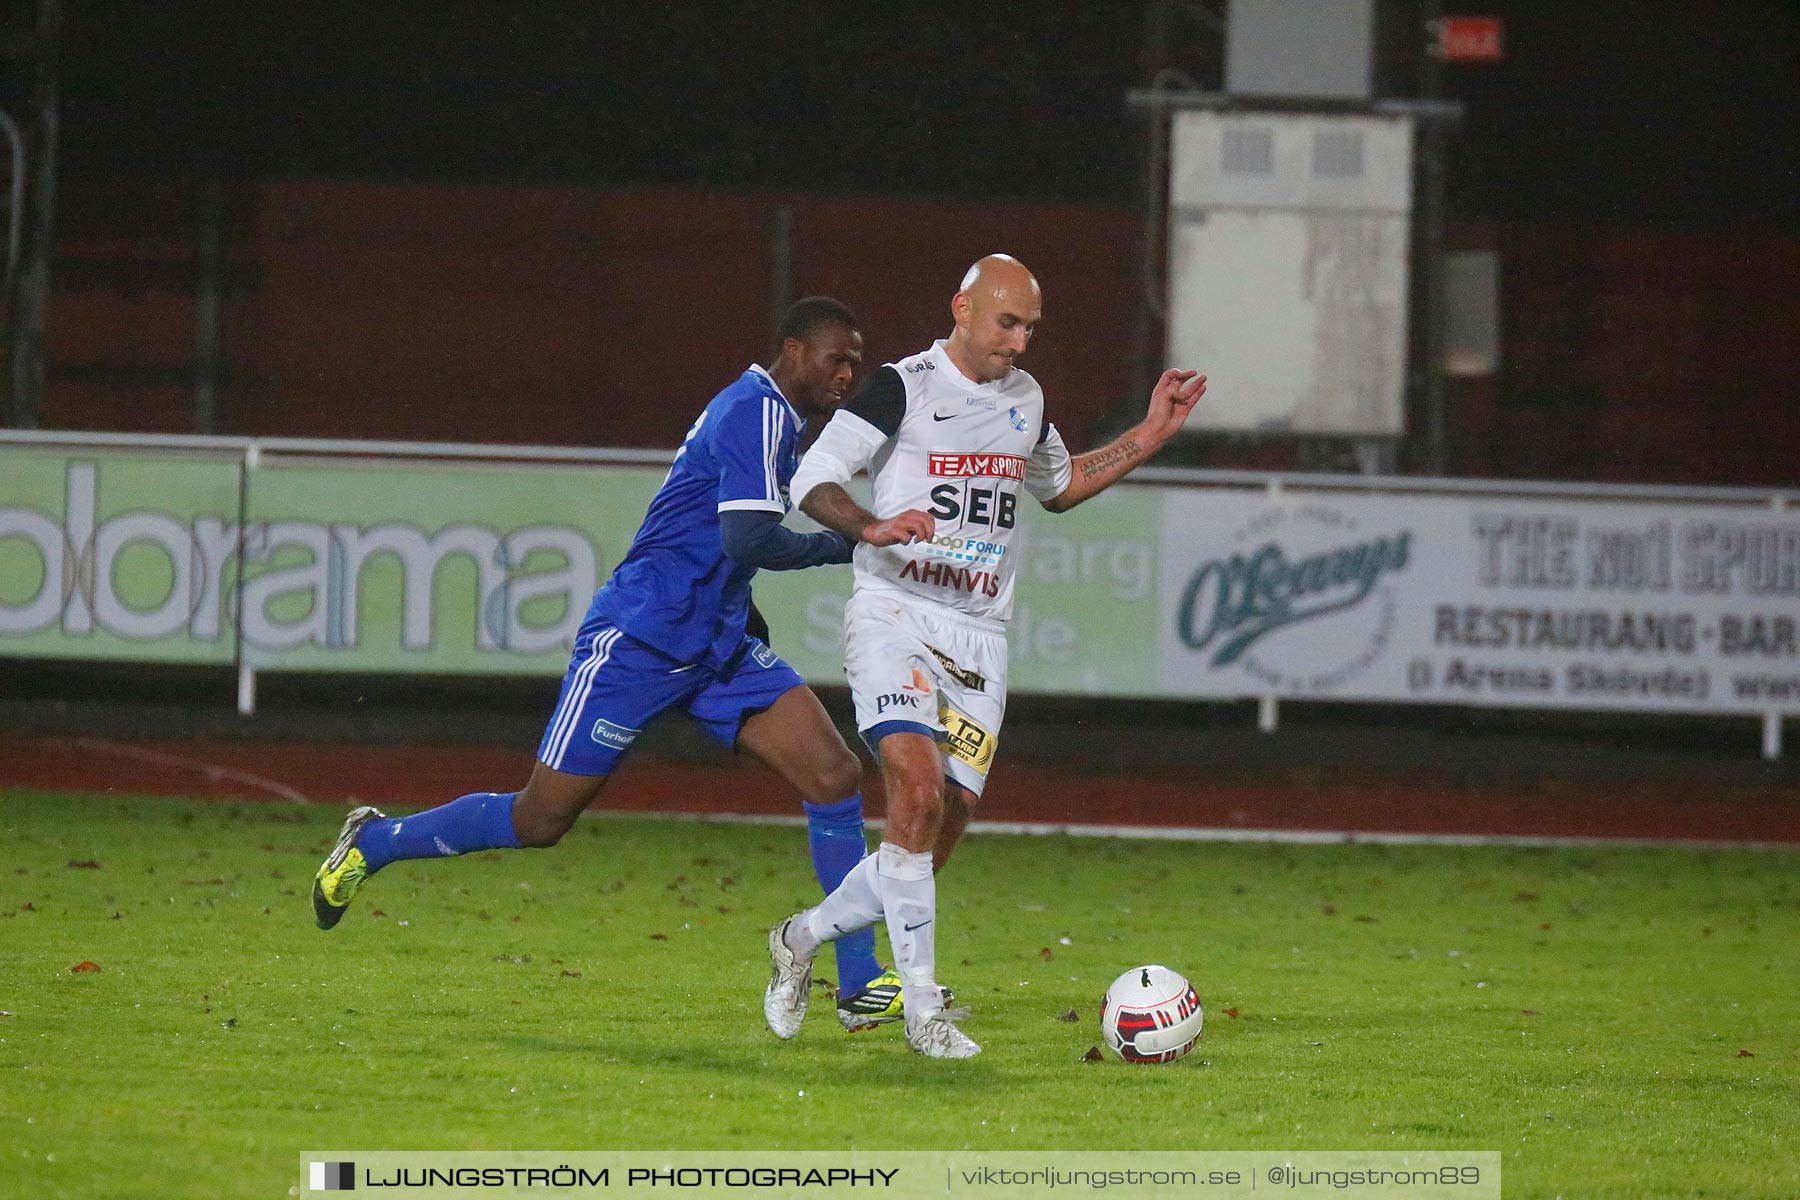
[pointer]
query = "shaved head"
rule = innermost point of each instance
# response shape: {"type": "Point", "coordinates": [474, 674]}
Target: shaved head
{"type": "Point", "coordinates": [999, 274]}
{"type": "Point", "coordinates": [997, 309]}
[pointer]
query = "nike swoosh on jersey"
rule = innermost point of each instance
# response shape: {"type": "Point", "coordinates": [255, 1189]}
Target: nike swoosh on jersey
{"type": "Point", "coordinates": [920, 925]}
{"type": "Point", "coordinates": [942, 417]}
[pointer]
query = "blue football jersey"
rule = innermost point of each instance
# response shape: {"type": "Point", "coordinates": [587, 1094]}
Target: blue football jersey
{"type": "Point", "coordinates": [676, 589]}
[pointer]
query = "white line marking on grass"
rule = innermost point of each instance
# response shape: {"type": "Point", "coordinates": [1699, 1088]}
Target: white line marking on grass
{"type": "Point", "coordinates": [1177, 833]}
{"type": "Point", "coordinates": [212, 771]}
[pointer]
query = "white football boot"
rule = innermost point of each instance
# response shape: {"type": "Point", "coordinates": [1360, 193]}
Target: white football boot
{"type": "Point", "coordinates": [790, 979]}
{"type": "Point", "coordinates": [935, 1035]}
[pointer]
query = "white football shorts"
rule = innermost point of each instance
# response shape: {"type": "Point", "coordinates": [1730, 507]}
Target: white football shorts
{"type": "Point", "coordinates": [917, 665]}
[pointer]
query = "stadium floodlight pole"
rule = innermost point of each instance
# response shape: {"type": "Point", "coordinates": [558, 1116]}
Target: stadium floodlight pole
{"type": "Point", "coordinates": [15, 143]}
{"type": "Point", "coordinates": [209, 306]}
{"type": "Point", "coordinates": [1431, 118]}
{"type": "Point", "coordinates": [29, 293]}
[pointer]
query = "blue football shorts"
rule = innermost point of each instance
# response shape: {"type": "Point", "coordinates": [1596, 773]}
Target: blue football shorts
{"type": "Point", "coordinates": [616, 684]}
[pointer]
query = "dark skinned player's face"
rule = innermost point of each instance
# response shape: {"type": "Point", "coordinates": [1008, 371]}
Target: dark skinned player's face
{"type": "Point", "coordinates": [824, 364]}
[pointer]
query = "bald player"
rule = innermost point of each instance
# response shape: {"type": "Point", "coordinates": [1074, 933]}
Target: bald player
{"type": "Point", "coordinates": [668, 631]}
{"type": "Point", "coordinates": [950, 436]}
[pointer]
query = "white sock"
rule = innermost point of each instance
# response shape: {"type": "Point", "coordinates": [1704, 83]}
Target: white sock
{"type": "Point", "coordinates": [798, 935]}
{"type": "Point", "coordinates": [856, 904]}
{"type": "Point", "coordinates": [909, 902]}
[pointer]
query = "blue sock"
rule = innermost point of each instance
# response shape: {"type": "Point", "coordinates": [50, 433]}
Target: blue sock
{"type": "Point", "coordinates": [835, 832]}
{"type": "Point", "coordinates": [482, 821]}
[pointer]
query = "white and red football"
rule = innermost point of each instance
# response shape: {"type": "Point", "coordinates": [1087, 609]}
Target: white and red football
{"type": "Point", "coordinates": [1151, 1015]}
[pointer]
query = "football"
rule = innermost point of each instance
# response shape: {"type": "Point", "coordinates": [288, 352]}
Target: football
{"type": "Point", "coordinates": [1151, 1015]}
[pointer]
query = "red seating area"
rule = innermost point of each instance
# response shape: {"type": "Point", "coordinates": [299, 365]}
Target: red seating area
{"type": "Point", "coordinates": [448, 313]}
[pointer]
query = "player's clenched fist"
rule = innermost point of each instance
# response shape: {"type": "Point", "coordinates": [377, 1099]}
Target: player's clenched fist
{"type": "Point", "coordinates": [908, 527]}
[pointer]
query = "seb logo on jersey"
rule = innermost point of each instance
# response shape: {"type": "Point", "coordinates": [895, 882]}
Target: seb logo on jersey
{"type": "Point", "coordinates": [971, 503]}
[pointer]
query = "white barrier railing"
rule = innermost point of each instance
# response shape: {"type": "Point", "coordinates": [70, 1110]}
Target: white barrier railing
{"type": "Point", "coordinates": [300, 554]}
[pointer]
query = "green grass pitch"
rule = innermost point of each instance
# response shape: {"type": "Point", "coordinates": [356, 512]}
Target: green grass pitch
{"type": "Point", "coordinates": [1586, 1011]}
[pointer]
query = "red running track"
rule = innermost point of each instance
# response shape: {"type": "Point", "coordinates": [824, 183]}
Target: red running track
{"type": "Point", "coordinates": [420, 777]}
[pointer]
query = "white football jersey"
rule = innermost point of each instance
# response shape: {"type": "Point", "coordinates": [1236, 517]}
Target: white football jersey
{"type": "Point", "coordinates": [935, 440]}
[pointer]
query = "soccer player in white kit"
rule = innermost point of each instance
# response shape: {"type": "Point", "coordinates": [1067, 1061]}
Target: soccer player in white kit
{"type": "Point", "coordinates": [950, 437]}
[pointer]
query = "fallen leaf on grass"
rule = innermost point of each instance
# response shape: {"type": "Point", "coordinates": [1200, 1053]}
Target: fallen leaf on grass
{"type": "Point", "coordinates": [655, 937]}
{"type": "Point", "coordinates": [571, 974]}
{"type": "Point", "coordinates": [1045, 954]}
{"type": "Point", "coordinates": [86, 864]}
{"type": "Point", "coordinates": [1746, 1054]}
{"type": "Point", "coordinates": [1530, 1012]}
{"type": "Point", "coordinates": [1230, 1012]}
{"type": "Point", "coordinates": [1071, 1016]}
{"type": "Point", "coordinates": [1093, 1055]}
{"type": "Point", "coordinates": [85, 967]}
{"type": "Point", "coordinates": [377, 912]}
{"type": "Point", "coordinates": [28, 906]}
{"type": "Point", "coordinates": [1329, 910]}
{"type": "Point", "coordinates": [1524, 897]}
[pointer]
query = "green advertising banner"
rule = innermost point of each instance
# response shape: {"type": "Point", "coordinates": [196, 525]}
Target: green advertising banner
{"type": "Point", "coordinates": [348, 564]}
{"type": "Point", "coordinates": [443, 561]}
{"type": "Point", "coordinates": [1084, 613]}
{"type": "Point", "coordinates": [403, 565]}
{"type": "Point", "coordinates": [409, 564]}
{"type": "Point", "coordinates": [118, 554]}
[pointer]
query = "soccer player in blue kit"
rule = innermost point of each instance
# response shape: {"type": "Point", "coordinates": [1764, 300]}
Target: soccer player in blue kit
{"type": "Point", "coordinates": [668, 630]}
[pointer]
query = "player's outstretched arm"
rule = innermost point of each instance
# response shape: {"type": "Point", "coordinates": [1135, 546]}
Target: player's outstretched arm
{"type": "Point", "coordinates": [831, 506]}
{"type": "Point", "coordinates": [759, 539]}
{"type": "Point", "coordinates": [1171, 401]}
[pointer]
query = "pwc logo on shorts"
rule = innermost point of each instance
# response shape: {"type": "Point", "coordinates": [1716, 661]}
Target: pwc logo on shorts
{"type": "Point", "coordinates": [899, 700]}
{"type": "Point", "coordinates": [912, 694]}
{"type": "Point", "coordinates": [616, 736]}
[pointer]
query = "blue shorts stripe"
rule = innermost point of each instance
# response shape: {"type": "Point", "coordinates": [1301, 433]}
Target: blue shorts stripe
{"type": "Point", "coordinates": [579, 688]}
{"type": "Point", "coordinates": [566, 705]}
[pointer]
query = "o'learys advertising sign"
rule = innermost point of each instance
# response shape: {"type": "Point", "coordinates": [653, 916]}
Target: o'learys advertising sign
{"type": "Point", "coordinates": [1481, 600]}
